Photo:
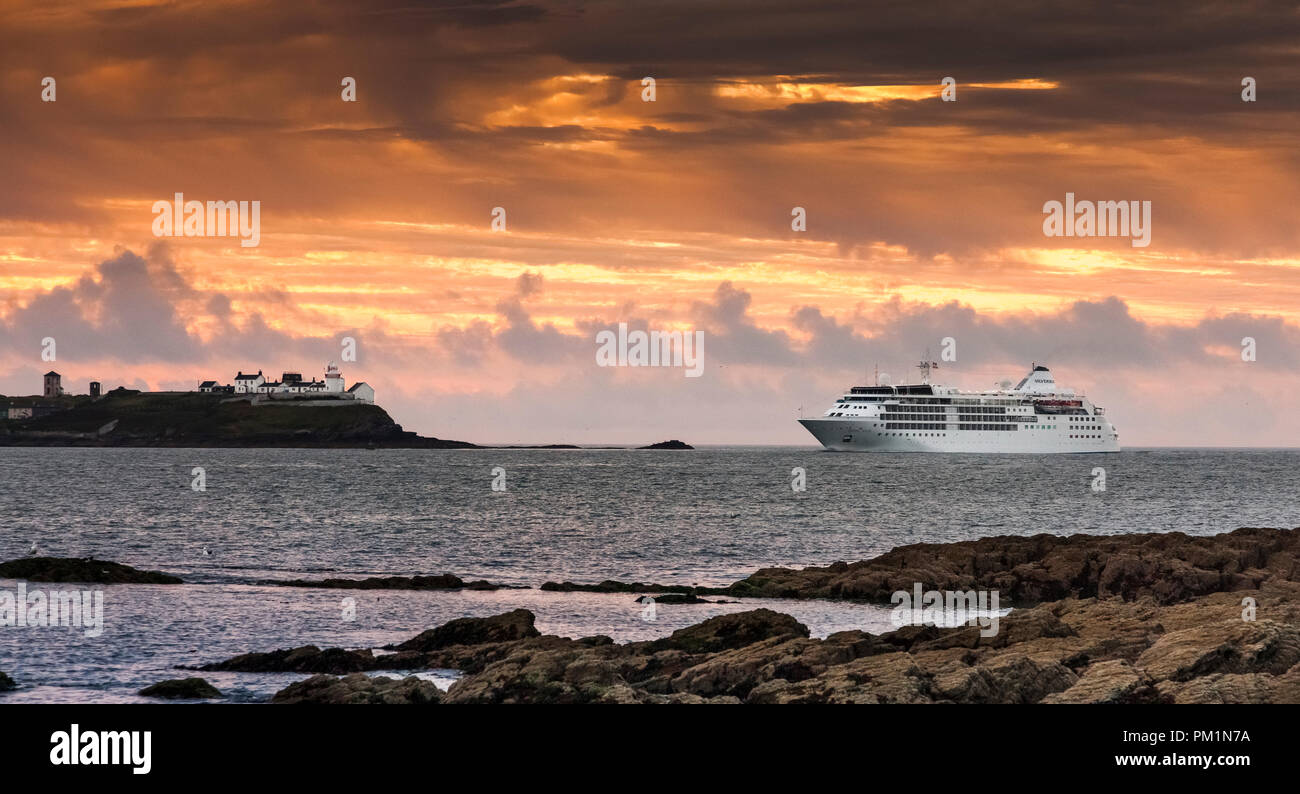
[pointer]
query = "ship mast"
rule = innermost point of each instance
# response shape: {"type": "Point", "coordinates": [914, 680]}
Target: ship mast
{"type": "Point", "coordinates": [925, 366]}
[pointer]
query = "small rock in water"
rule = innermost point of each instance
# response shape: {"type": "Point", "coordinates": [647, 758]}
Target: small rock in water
{"type": "Point", "coordinates": [673, 598]}
{"type": "Point", "coordinates": [673, 444]}
{"type": "Point", "coordinates": [182, 689]}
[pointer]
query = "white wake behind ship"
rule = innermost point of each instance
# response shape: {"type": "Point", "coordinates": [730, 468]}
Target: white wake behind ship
{"type": "Point", "coordinates": [1034, 417]}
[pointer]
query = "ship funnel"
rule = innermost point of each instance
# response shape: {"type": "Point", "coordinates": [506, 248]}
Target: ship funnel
{"type": "Point", "coordinates": [1038, 381]}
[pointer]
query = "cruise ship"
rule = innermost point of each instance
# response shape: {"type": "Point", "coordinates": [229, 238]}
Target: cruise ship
{"type": "Point", "coordinates": [1034, 417]}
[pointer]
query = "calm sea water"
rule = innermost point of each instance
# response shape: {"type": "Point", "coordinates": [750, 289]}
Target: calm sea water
{"type": "Point", "coordinates": [706, 517]}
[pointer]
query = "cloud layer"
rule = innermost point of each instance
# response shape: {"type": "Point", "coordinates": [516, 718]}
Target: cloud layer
{"type": "Point", "coordinates": [924, 216]}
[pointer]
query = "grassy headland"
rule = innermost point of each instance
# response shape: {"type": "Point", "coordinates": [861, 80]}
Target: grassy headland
{"type": "Point", "coordinates": [128, 418]}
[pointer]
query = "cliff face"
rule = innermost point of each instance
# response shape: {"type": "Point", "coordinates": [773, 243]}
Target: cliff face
{"type": "Point", "coordinates": [193, 419]}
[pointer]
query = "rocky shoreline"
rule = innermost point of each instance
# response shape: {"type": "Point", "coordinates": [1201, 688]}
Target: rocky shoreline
{"type": "Point", "coordinates": [1071, 651]}
{"type": "Point", "coordinates": [1156, 618]}
{"type": "Point", "coordinates": [1147, 618]}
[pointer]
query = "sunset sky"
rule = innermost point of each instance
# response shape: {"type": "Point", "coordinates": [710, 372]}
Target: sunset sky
{"type": "Point", "coordinates": [924, 217]}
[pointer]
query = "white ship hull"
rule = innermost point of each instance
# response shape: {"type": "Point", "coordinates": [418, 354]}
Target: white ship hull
{"type": "Point", "coordinates": [832, 433]}
{"type": "Point", "coordinates": [1034, 418]}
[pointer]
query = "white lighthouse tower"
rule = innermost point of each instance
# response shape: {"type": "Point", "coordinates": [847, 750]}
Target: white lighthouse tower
{"type": "Point", "coordinates": [333, 379]}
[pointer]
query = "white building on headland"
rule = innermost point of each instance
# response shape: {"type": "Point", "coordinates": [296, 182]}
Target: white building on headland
{"type": "Point", "coordinates": [248, 383]}
{"type": "Point", "coordinates": [362, 391]}
{"type": "Point", "coordinates": [292, 383]}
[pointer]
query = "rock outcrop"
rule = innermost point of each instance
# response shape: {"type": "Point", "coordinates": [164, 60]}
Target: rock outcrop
{"type": "Point", "coordinates": [182, 689]}
{"type": "Point", "coordinates": [6, 683]}
{"type": "Point", "coordinates": [306, 659]}
{"type": "Point", "coordinates": [80, 569]}
{"type": "Point", "coordinates": [516, 625]}
{"type": "Point", "coordinates": [728, 632]}
{"type": "Point", "coordinates": [1167, 567]}
{"type": "Point", "coordinates": [444, 581]}
{"type": "Point", "coordinates": [359, 688]}
{"type": "Point", "coordinates": [614, 586]}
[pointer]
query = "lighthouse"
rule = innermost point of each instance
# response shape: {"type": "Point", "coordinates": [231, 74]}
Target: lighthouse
{"type": "Point", "coordinates": [333, 379]}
